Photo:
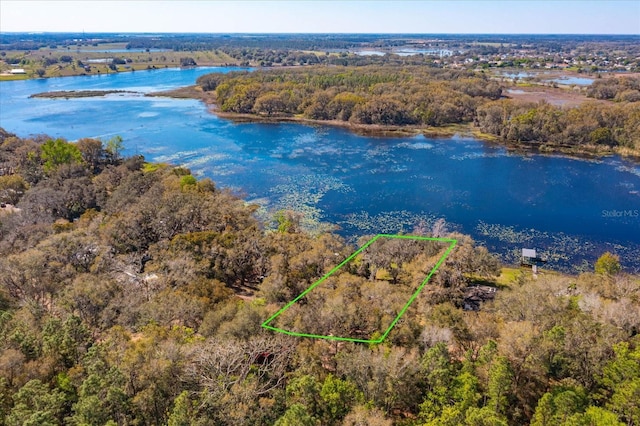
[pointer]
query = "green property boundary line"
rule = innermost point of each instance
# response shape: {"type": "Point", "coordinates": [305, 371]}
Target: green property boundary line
{"type": "Point", "coordinates": [452, 244]}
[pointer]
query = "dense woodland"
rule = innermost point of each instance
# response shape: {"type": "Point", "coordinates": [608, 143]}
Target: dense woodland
{"type": "Point", "coordinates": [422, 97]}
{"type": "Point", "coordinates": [132, 293]}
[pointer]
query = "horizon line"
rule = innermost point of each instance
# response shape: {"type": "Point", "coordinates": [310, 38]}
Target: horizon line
{"type": "Point", "coordinates": [35, 32]}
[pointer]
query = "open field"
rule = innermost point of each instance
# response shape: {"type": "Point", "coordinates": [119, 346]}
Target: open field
{"type": "Point", "coordinates": [93, 60]}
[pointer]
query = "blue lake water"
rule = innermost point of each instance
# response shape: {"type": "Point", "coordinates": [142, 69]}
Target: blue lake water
{"type": "Point", "coordinates": [568, 80]}
{"type": "Point", "coordinates": [370, 53]}
{"type": "Point", "coordinates": [410, 52]}
{"type": "Point", "coordinates": [570, 209]}
{"type": "Point", "coordinates": [519, 74]}
{"type": "Point", "coordinates": [578, 81]}
{"type": "Point", "coordinates": [120, 50]}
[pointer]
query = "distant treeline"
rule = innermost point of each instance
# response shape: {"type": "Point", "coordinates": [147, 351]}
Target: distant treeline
{"type": "Point", "coordinates": [27, 41]}
{"type": "Point", "coordinates": [419, 96]}
{"type": "Point", "coordinates": [270, 41]}
{"type": "Point", "coordinates": [320, 42]}
{"type": "Point", "coordinates": [266, 57]}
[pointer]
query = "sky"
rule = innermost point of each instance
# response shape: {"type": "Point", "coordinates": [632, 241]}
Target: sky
{"type": "Point", "coordinates": [322, 16]}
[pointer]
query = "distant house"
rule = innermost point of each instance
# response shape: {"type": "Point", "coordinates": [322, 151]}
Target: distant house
{"type": "Point", "coordinates": [17, 71]}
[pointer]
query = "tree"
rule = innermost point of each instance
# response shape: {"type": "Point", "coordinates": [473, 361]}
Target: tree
{"type": "Point", "coordinates": [500, 379]}
{"type": "Point", "coordinates": [461, 402]}
{"type": "Point", "coordinates": [608, 264]}
{"type": "Point", "coordinates": [338, 397]}
{"type": "Point", "coordinates": [58, 152]}
{"type": "Point", "coordinates": [187, 62]}
{"type": "Point", "coordinates": [296, 415]}
{"type": "Point", "coordinates": [483, 417]}
{"type": "Point", "coordinates": [560, 404]}
{"type": "Point", "coordinates": [114, 149]}
{"type": "Point", "coordinates": [602, 136]}
{"type": "Point", "coordinates": [12, 188]}
{"type": "Point", "coordinates": [621, 383]}
{"type": "Point", "coordinates": [183, 413]}
{"type": "Point", "coordinates": [269, 103]}
{"type": "Point", "coordinates": [101, 396]}
{"type": "Point", "coordinates": [382, 110]}
{"type": "Point", "coordinates": [92, 152]}
{"type": "Point", "coordinates": [440, 372]}
{"type": "Point", "coordinates": [36, 404]}
{"type": "Point", "coordinates": [389, 377]}
{"type": "Point", "coordinates": [33, 277]}
{"type": "Point", "coordinates": [363, 415]}
{"type": "Point", "coordinates": [67, 194]}
{"type": "Point", "coordinates": [594, 416]}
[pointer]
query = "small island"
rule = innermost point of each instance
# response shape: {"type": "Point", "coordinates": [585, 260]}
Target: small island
{"type": "Point", "coordinates": [68, 94]}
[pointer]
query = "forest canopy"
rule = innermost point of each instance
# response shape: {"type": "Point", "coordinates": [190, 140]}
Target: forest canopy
{"type": "Point", "coordinates": [133, 293]}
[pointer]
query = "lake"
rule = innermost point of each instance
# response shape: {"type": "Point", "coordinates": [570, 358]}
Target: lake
{"type": "Point", "coordinates": [578, 81]}
{"type": "Point", "coordinates": [563, 79]}
{"type": "Point", "coordinates": [432, 52]}
{"type": "Point", "coordinates": [139, 50]}
{"type": "Point", "coordinates": [570, 209]}
{"type": "Point", "coordinates": [370, 53]}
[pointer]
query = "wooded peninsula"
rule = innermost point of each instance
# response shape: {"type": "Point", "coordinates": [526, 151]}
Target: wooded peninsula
{"type": "Point", "coordinates": [434, 101]}
{"type": "Point", "coordinates": [134, 293]}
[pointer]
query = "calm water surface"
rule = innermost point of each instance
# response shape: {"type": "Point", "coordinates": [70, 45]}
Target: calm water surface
{"type": "Point", "coordinates": [139, 50]}
{"type": "Point", "coordinates": [568, 80]}
{"type": "Point", "coordinates": [578, 81]}
{"type": "Point", "coordinates": [572, 210]}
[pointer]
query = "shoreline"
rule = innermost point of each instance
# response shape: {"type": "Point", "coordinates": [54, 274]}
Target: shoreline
{"type": "Point", "coordinates": [376, 130]}
{"type": "Point", "coordinates": [371, 130]}
{"type": "Point", "coordinates": [464, 130]}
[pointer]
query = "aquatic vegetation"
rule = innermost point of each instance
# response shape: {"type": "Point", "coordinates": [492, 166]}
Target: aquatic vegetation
{"type": "Point", "coordinates": [302, 195]}
{"type": "Point", "coordinates": [416, 145]}
{"type": "Point", "coordinates": [205, 160]}
{"type": "Point", "coordinates": [561, 251]}
{"type": "Point", "coordinates": [177, 157]}
{"type": "Point", "coordinates": [398, 221]}
{"type": "Point", "coordinates": [378, 153]}
{"type": "Point", "coordinates": [503, 233]}
{"type": "Point", "coordinates": [629, 169]}
{"type": "Point", "coordinates": [476, 155]}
